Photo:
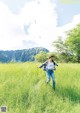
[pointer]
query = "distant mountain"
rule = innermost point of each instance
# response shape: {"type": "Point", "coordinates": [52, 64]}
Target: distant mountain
{"type": "Point", "coordinates": [20, 55]}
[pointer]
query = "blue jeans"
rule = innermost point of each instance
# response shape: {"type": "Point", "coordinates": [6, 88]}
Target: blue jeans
{"type": "Point", "coordinates": [50, 73]}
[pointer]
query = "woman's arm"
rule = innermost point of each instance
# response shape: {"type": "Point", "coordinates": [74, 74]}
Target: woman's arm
{"type": "Point", "coordinates": [44, 64]}
{"type": "Point", "coordinates": [55, 64]}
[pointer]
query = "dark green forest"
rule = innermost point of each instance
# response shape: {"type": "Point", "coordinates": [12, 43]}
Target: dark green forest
{"type": "Point", "coordinates": [20, 55]}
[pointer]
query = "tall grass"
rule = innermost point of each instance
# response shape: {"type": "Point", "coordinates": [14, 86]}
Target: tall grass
{"type": "Point", "coordinates": [23, 89]}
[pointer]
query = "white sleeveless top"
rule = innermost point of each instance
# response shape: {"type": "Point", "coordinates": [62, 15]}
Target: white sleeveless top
{"type": "Point", "coordinates": [50, 65]}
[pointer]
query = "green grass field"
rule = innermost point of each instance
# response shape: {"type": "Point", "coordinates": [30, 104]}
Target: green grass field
{"type": "Point", "coordinates": [23, 89]}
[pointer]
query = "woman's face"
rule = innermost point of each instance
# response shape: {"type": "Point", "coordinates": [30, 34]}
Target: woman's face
{"type": "Point", "coordinates": [52, 58]}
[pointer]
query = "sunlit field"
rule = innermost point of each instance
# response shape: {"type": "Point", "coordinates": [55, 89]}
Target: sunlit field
{"type": "Point", "coordinates": [23, 89]}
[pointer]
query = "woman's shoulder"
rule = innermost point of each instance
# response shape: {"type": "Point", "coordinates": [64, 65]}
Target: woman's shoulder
{"type": "Point", "coordinates": [46, 61]}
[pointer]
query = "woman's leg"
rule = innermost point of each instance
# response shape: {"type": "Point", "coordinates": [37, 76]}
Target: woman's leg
{"type": "Point", "coordinates": [48, 76]}
{"type": "Point", "coordinates": [53, 81]}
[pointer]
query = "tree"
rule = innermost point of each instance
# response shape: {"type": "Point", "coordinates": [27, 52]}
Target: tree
{"type": "Point", "coordinates": [73, 41]}
{"type": "Point", "coordinates": [41, 57]}
{"type": "Point", "coordinates": [63, 54]}
{"type": "Point", "coordinates": [60, 45]}
{"type": "Point", "coordinates": [70, 47]}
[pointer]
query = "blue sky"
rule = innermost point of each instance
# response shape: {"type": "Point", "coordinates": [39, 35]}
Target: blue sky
{"type": "Point", "coordinates": [30, 23]}
{"type": "Point", "coordinates": [66, 12]}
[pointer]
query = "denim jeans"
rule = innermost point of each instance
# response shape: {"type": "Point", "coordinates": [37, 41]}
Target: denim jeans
{"type": "Point", "coordinates": [50, 73]}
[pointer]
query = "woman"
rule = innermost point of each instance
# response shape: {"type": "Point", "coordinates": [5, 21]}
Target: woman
{"type": "Point", "coordinates": [49, 67]}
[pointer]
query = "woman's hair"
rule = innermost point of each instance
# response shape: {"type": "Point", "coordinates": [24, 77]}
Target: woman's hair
{"type": "Point", "coordinates": [51, 56]}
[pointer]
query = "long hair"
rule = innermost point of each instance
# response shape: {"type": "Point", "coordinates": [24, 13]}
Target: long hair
{"type": "Point", "coordinates": [51, 57]}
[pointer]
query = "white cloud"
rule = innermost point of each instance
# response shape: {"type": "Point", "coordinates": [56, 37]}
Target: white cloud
{"type": "Point", "coordinates": [41, 18]}
{"type": "Point", "coordinates": [69, 26]}
{"type": "Point", "coordinates": [8, 29]}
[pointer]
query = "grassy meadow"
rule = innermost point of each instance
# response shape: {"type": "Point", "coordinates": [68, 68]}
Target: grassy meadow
{"type": "Point", "coordinates": [23, 89]}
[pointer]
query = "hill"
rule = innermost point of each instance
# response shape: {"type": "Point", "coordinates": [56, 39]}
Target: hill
{"type": "Point", "coordinates": [20, 55]}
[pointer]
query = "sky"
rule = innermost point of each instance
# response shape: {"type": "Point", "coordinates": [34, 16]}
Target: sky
{"type": "Point", "coordinates": [36, 23]}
